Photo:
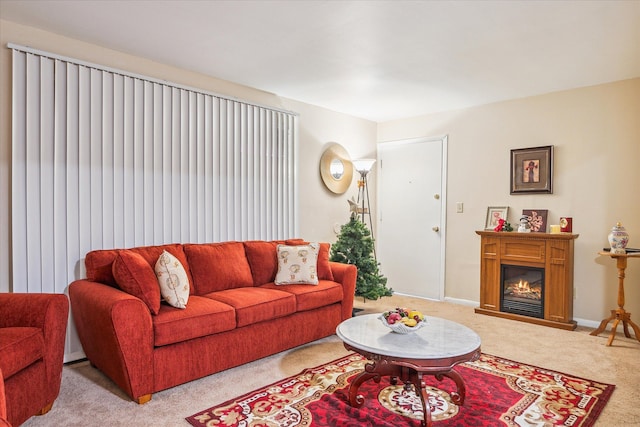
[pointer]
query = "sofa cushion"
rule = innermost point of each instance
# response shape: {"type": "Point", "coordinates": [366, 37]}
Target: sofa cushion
{"type": "Point", "coordinates": [297, 264]}
{"type": "Point", "coordinates": [263, 260]}
{"type": "Point", "coordinates": [134, 275]}
{"type": "Point", "coordinates": [201, 317]}
{"type": "Point", "coordinates": [172, 280]}
{"type": "Point", "coordinates": [99, 262]}
{"type": "Point", "coordinates": [256, 304]}
{"type": "Point", "coordinates": [309, 297]}
{"type": "Point", "coordinates": [19, 348]}
{"type": "Point", "coordinates": [324, 268]}
{"type": "Point", "coordinates": [218, 266]}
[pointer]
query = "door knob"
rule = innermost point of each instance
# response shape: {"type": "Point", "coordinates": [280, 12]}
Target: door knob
{"type": "Point", "coordinates": [436, 196]}
{"type": "Point", "coordinates": [436, 228]}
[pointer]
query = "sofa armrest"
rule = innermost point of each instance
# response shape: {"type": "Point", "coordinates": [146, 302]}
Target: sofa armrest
{"type": "Point", "coordinates": [3, 404]}
{"type": "Point", "coordinates": [345, 274]}
{"type": "Point", "coordinates": [29, 310]}
{"type": "Point", "coordinates": [48, 312]}
{"type": "Point", "coordinates": [116, 332]}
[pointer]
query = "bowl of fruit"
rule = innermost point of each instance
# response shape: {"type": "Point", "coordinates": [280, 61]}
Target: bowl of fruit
{"type": "Point", "coordinates": [403, 320]}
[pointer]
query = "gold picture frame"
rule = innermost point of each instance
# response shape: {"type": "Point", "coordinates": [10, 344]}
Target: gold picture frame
{"type": "Point", "coordinates": [532, 170]}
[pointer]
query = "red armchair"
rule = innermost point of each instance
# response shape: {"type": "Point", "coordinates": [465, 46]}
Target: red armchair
{"type": "Point", "coordinates": [32, 335]}
{"type": "Point", "coordinates": [3, 404]}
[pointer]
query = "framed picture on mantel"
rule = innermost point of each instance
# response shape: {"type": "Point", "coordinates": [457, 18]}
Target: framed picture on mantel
{"type": "Point", "coordinates": [494, 213]}
{"type": "Point", "coordinates": [537, 219]}
{"type": "Point", "coordinates": [532, 170]}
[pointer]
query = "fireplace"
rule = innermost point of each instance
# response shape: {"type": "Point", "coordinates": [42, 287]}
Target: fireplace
{"type": "Point", "coordinates": [522, 290]}
{"type": "Point", "coordinates": [527, 277]}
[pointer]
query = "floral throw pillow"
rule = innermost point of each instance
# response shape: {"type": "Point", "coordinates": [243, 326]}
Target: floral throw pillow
{"type": "Point", "coordinates": [297, 264]}
{"type": "Point", "coordinates": [173, 280]}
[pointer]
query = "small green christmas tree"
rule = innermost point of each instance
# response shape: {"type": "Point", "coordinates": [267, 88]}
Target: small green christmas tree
{"type": "Point", "coordinates": [355, 246]}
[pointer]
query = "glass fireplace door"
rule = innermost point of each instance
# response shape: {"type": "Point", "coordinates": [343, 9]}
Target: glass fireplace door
{"type": "Point", "coordinates": [522, 290]}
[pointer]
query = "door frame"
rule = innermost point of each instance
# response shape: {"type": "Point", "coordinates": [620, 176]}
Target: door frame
{"type": "Point", "coordinates": [443, 139]}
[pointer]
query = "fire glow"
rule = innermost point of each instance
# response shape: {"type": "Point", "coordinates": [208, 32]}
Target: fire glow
{"type": "Point", "coordinates": [523, 289]}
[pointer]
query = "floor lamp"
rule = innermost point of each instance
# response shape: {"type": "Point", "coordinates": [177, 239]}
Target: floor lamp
{"type": "Point", "coordinates": [363, 166]}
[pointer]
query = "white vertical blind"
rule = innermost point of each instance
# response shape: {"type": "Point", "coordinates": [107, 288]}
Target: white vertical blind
{"type": "Point", "coordinates": [106, 159]}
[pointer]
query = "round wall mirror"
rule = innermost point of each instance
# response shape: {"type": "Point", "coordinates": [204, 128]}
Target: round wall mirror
{"type": "Point", "coordinates": [336, 169]}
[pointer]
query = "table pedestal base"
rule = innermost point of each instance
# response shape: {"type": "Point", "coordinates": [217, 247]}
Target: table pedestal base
{"type": "Point", "coordinates": [617, 316]}
{"type": "Point", "coordinates": [409, 376]}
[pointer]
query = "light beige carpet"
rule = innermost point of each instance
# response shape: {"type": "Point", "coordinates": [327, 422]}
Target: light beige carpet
{"type": "Point", "coordinates": [88, 398]}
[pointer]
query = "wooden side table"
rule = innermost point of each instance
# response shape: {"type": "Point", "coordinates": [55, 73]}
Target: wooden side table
{"type": "Point", "coordinates": [619, 314]}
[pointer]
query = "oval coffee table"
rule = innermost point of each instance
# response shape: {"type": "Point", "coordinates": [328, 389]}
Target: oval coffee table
{"type": "Point", "coordinates": [432, 350]}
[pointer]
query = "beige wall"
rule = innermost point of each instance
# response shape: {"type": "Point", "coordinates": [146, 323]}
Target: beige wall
{"type": "Point", "coordinates": [595, 132]}
{"type": "Point", "coordinates": [320, 209]}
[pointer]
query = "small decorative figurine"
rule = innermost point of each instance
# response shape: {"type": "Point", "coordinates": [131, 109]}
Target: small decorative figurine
{"type": "Point", "coordinates": [524, 225]}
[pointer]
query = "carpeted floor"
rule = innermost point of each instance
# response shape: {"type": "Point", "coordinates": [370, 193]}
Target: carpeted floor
{"type": "Point", "coordinates": [88, 398]}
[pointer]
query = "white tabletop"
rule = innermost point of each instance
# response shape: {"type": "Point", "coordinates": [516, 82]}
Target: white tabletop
{"type": "Point", "coordinates": [440, 338]}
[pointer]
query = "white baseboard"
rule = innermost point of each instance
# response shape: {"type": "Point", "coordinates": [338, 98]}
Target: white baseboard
{"type": "Point", "coordinates": [588, 323]}
{"type": "Point", "coordinates": [466, 302]}
{"type": "Point", "coordinates": [73, 357]}
{"type": "Point", "coordinates": [581, 322]}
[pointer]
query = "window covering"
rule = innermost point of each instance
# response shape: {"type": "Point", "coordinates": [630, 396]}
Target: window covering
{"type": "Point", "coordinates": [102, 158]}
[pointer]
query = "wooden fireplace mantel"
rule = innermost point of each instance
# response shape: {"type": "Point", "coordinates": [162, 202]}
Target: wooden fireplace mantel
{"type": "Point", "coordinates": [553, 252]}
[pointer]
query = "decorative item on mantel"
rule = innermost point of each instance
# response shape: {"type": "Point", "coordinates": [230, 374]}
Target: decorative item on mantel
{"type": "Point", "coordinates": [494, 215]}
{"type": "Point", "coordinates": [537, 219]}
{"type": "Point", "coordinates": [503, 225]}
{"type": "Point", "coordinates": [524, 225]}
{"type": "Point", "coordinates": [566, 224]}
{"type": "Point", "coordinates": [618, 239]}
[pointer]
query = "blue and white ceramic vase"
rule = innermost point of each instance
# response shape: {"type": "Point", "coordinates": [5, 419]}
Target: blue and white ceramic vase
{"type": "Point", "coordinates": [618, 239]}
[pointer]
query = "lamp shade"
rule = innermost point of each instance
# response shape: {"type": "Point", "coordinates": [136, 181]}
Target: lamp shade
{"type": "Point", "coordinates": [363, 166]}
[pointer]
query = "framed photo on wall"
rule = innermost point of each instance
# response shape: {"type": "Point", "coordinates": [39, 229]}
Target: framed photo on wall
{"type": "Point", "coordinates": [493, 215]}
{"type": "Point", "coordinates": [532, 170]}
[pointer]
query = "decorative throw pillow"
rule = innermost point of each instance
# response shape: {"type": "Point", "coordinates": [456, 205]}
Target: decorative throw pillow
{"type": "Point", "coordinates": [173, 280]}
{"type": "Point", "coordinates": [135, 276]}
{"type": "Point", "coordinates": [324, 268]}
{"type": "Point", "coordinates": [298, 264]}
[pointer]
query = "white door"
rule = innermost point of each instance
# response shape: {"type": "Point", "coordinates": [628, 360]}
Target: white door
{"type": "Point", "coordinates": [411, 216]}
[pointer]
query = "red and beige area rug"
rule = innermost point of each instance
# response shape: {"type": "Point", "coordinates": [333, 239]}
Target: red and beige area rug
{"type": "Point", "coordinates": [499, 392]}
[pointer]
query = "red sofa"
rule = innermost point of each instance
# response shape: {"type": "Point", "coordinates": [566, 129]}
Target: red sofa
{"type": "Point", "coordinates": [235, 313]}
{"type": "Point", "coordinates": [32, 335]}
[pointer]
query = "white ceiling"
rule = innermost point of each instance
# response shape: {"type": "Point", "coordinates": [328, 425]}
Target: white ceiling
{"type": "Point", "coordinates": [379, 60]}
